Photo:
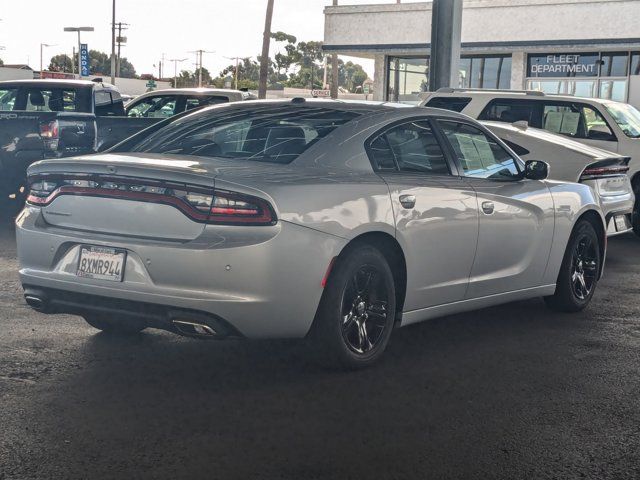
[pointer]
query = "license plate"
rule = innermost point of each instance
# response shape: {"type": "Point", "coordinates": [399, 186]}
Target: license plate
{"type": "Point", "coordinates": [101, 263]}
{"type": "Point", "coordinates": [621, 223]}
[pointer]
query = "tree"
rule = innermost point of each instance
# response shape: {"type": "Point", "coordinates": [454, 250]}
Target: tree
{"type": "Point", "coordinates": [354, 76]}
{"type": "Point", "coordinates": [100, 64]}
{"type": "Point", "coordinates": [1, 62]}
{"type": "Point", "coordinates": [61, 63]}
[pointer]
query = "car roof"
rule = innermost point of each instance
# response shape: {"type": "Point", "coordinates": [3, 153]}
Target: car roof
{"type": "Point", "coordinates": [513, 94]}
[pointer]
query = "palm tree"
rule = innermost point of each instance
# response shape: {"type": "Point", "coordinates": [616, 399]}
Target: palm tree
{"type": "Point", "coordinates": [264, 60]}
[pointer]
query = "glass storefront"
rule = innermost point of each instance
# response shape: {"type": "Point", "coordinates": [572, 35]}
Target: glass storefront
{"type": "Point", "coordinates": [408, 77]}
{"type": "Point", "coordinates": [594, 74]}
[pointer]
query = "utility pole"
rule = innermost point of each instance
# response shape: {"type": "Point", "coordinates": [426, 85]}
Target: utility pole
{"type": "Point", "coordinates": [199, 64]}
{"type": "Point", "coordinates": [120, 40]}
{"type": "Point", "coordinates": [113, 43]}
{"type": "Point", "coordinates": [335, 77]}
{"type": "Point", "coordinates": [42, 45]}
{"type": "Point", "coordinates": [264, 60]}
{"type": "Point", "coordinates": [175, 70]}
{"type": "Point", "coordinates": [446, 34]}
{"type": "Point", "coordinates": [237, 59]}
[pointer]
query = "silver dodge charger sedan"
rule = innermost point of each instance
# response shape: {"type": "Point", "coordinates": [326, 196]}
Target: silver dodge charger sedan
{"type": "Point", "coordinates": [324, 220]}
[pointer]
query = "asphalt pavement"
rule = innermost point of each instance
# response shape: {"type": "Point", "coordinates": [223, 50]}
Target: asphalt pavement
{"type": "Point", "coordinates": [513, 392]}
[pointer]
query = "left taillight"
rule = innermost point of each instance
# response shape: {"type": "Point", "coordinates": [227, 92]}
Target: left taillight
{"type": "Point", "coordinates": [41, 191]}
{"type": "Point", "coordinates": [50, 134]}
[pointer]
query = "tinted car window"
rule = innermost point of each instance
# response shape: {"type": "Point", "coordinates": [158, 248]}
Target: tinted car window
{"type": "Point", "coordinates": [510, 111]}
{"type": "Point", "coordinates": [8, 98]}
{"type": "Point", "coordinates": [456, 104]}
{"type": "Point", "coordinates": [273, 134]}
{"type": "Point", "coordinates": [480, 155]}
{"type": "Point", "coordinates": [409, 147]}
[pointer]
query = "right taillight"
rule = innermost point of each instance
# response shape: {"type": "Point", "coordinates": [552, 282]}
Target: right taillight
{"type": "Point", "coordinates": [235, 208]}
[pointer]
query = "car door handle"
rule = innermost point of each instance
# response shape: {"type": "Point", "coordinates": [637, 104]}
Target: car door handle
{"type": "Point", "coordinates": [408, 201]}
{"type": "Point", "coordinates": [488, 207]}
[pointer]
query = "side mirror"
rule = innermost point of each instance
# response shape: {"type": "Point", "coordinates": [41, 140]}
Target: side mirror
{"type": "Point", "coordinates": [536, 170]}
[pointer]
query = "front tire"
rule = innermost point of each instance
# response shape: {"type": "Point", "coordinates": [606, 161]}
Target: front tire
{"type": "Point", "coordinates": [579, 272]}
{"type": "Point", "coordinates": [357, 311]}
{"type": "Point", "coordinates": [115, 326]}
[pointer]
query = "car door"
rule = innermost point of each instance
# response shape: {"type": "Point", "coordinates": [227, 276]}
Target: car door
{"type": "Point", "coordinates": [436, 212]}
{"type": "Point", "coordinates": [516, 220]}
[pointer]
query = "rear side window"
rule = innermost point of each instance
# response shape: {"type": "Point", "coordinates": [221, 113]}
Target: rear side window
{"type": "Point", "coordinates": [410, 147]}
{"type": "Point", "coordinates": [455, 104]}
{"type": "Point", "coordinates": [510, 111]}
{"type": "Point", "coordinates": [272, 134]}
{"type": "Point", "coordinates": [109, 104]}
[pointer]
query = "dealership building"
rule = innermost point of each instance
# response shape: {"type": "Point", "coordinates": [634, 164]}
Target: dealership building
{"type": "Point", "coordinates": [577, 47]}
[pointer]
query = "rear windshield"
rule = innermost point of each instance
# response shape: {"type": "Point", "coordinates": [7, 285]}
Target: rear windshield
{"type": "Point", "coordinates": [273, 134]}
{"type": "Point", "coordinates": [45, 99]}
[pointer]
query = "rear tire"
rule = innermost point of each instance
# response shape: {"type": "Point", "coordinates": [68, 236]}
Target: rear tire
{"type": "Point", "coordinates": [357, 311]}
{"type": "Point", "coordinates": [579, 271]}
{"type": "Point", "coordinates": [115, 327]}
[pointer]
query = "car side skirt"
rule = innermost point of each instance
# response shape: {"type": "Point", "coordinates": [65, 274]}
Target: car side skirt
{"type": "Point", "coordinates": [423, 314]}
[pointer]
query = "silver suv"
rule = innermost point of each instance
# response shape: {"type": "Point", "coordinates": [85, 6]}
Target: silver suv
{"type": "Point", "coordinates": [606, 124]}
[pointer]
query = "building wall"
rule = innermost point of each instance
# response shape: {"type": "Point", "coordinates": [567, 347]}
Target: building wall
{"type": "Point", "coordinates": [528, 20]}
{"type": "Point", "coordinates": [15, 74]}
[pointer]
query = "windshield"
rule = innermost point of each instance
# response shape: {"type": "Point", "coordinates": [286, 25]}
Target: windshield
{"type": "Point", "coordinates": [273, 134]}
{"type": "Point", "coordinates": [627, 117]}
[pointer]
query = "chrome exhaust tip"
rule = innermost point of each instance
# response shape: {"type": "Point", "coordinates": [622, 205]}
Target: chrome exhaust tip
{"type": "Point", "coordinates": [193, 329]}
{"type": "Point", "coordinates": [34, 302]}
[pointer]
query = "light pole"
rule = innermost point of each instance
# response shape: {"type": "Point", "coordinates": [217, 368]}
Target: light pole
{"type": "Point", "coordinates": [42, 45]}
{"type": "Point", "coordinates": [175, 70]}
{"type": "Point", "coordinates": [113, 43]}
{"type": "Point", "coordinates": [199, 64]}
{"type": "Point", "coordinates": [79, 29]}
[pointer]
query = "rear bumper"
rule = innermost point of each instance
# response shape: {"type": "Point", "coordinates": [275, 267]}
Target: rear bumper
{"type": "Point", "coordinates": [263, 282]}
{"type": "Point", "coordinates": [618, 210]}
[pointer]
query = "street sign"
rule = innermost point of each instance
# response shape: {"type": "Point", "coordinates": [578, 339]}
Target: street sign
{"type": "Point", "coordinates": [84, 60]}
{"type": "Point", "coordinates": [321, 93]}
{"type": "Point", "coordinates": [367, 88]}
{"type": "Point", "coordinates": [151, 84]}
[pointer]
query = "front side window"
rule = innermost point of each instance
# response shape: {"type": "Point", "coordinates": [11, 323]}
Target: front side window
{"type": "Point", "coordinates": [576, 121]}
{"type": "Point", "coordinates": [154, 107]}
{"type": "Point", "coordinates": [411, 147]}
{"type": "Point", "coordinates": [271, 134]}
{"type": "Point", "coordinates": [480, 156]}
{"type": "Point", "coordinates": [626, 116]}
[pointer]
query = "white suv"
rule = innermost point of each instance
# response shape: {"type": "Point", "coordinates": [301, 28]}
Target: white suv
{"type": "Point", "coordinates": [612, 126]}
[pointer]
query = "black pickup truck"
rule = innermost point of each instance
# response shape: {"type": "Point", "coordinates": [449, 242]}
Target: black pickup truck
{"type": "Point", "coordinates": [57, 118]}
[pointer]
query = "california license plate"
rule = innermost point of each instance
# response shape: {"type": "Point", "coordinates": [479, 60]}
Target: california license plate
{"type": "Point", "coordinates": [101, 263]}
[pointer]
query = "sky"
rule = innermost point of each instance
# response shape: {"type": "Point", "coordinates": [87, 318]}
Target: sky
{"type": "Point", "coordinates": [229, 28]}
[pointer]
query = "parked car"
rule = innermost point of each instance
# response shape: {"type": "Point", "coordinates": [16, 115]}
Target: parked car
{"type": "Point", "coordinates": [333, 221]}
{"type": "Point", "coordinates": [606, 124]}
{"type": "Point", "coordinates": [57, 118]}
{"type": "Point", "coordinates": [167, 103]}
{"type": "Point", "coordinates": [570, 161]}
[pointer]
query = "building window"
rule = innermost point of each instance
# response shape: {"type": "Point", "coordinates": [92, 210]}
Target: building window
{"type": "Point", "coordinates": [485, 72]}
{"type": "Point", "coordinates": [408, 77]}
{"type": "Point", "coordinates": [598, 75]}
{"type": "Point", "coordinates": [635, 64]}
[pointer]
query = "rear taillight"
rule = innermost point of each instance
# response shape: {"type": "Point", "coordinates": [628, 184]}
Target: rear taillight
{"type": "Point", "coordinates": [50, 130]}
{"type": "Point", "coordinates": [198, 203]}
{"type": "Point", "coordinates": [595, 172]}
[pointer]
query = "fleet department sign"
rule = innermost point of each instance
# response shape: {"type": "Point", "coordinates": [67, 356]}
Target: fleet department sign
{"type": "Point", "coordinates": [563, 65]}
